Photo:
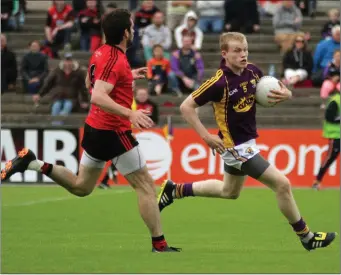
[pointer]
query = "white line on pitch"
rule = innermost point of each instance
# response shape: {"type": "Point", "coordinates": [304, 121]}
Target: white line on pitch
{"type": "Point", "coordinates": [28, 203]}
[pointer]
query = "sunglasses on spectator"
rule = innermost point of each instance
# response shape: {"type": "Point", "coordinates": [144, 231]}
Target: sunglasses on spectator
{"type": "Point", "coordinates": [300, 40]}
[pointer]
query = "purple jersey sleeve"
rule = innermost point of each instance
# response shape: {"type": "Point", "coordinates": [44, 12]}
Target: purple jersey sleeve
{"type": "Point", "coordinates": [211, 90]}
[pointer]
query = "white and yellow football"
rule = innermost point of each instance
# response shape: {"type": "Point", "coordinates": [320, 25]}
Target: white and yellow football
{"type": "Point", "coordinates": [264, 86]}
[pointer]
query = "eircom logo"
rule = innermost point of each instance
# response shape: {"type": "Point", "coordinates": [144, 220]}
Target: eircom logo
{"type": "Point", "coordinates": [157, 153]}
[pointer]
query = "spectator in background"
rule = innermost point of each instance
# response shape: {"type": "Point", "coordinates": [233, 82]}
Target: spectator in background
{"type": "Point", "coordinates": [9, 71]}
{"type": "Point", "coordinates": [17, 18]}
{"type": "Point", "coordinates": [269, 8]}
{"type": "Point", "coordinates": [241, 16]}
{"type": "Point", "coordinates": [158, 70]}
{"type": "Point", "coordinates": [297, 62]}
{"type": "Point", "coordinates": [176, 11]}
{"type": "Point", "coordinates": [187, 68]}
{"type": "Point", "coordinates": [59, 24]}
{"type": "Point", "coordinates": [307, 7]}
{"type": "Point", "coordinates": [332, 76]}
{"type": "Point", "coordinates": [144, 103]}
{"type": "Point", "coordinates": [189, 28]}
{"type": "Point", "coordinates": [34, 68]}
{"type": "Point", "coordinates": [67, 86]}
{"type": "Point", "coordinates": [287, 22]}
{"type": "Point", "coordinates": [143, 18]}
{"type": "Point", "coordinates": [90, 25]}
{"type": "Point", "coordinates": [6, 13]}
{"type": "Point", "coordinates": [334, 19]}
{"type": "Point", "coordinates": [211, 15]}
{"type": "Point", "coordinates": [324, 55]}
{"type": "Point", "coordinates": [156, 34]}
{"type": "Point", "coordinates": [79, 5]}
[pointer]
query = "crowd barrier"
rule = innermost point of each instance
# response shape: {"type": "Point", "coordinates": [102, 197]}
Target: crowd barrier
{"type": "Point", "coordinates": [186, 158]}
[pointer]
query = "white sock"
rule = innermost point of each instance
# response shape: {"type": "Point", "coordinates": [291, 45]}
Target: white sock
{"type": "Point", "coordinates": [307, 238]}
{"type": "Point", "coordinates": [35, 165]}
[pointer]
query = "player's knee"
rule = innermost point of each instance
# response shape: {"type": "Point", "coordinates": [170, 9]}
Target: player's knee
{"type": "Point", "coordinates": [284, 186]}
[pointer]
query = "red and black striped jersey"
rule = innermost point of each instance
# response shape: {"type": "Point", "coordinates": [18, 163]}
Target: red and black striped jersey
{"type": "Point", "coordinates": [110, 64]}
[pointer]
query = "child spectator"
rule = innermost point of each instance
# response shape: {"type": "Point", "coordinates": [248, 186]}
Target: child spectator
{"type": "Point", "coordinates": [90, 25]}
{"type": "Point", "coordinates": [334, 19]}
{"type": "Point", "coordinates": [158, 70]}
{"type": "Point", "coordinates": [144, 103]}
{"type": "Point", "coordinates": [297, 62]}
{"type": "Point", "coordinates": [331, 76]}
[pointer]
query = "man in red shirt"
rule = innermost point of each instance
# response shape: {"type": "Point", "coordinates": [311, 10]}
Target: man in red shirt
{"type": "Point", "coordinates": [107, 131]}
{"type": "Point", "coordinates": [59, 23]}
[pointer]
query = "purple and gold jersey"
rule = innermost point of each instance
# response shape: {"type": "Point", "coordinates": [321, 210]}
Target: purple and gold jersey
{"type": "Point", "coordinates": [233, 99]}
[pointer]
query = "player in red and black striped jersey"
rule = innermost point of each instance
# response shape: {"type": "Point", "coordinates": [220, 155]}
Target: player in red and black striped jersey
{"type": "Point", "coordinates": [107, 131]}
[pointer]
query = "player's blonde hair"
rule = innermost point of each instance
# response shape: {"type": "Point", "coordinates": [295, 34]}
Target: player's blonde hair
{"type": "Point", "coordinates": [226, 37]}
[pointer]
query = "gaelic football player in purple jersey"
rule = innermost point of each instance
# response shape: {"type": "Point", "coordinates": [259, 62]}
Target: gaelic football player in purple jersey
{"type": "Point", "coordinates": [232, 93]}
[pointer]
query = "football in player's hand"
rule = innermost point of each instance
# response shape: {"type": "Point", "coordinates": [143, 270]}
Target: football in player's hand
{"type": "Point", "coordinates": [264, 87]}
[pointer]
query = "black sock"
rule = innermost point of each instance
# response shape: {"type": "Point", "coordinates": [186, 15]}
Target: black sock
{"type": "Point", "coordinates": [159, 242]}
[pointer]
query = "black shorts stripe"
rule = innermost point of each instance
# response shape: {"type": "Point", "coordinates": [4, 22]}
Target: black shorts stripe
{"type": "Point", "coordinates": [110, 64]}
{"type": "Point", "coordinates": [123, 140]}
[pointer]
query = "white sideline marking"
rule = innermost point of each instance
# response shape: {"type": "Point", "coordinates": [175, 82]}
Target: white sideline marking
{"type": "Point", "coordinates": [28, 203]}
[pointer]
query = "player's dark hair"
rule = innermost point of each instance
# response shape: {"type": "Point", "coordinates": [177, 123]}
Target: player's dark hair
{"type": "Point", "coordinates": [112, 5]}
{"type": "Point", "coordinates": [114, 25]}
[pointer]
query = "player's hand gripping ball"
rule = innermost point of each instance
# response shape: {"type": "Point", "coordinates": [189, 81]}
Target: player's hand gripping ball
{"type": "Point", "coordinates": [263, 90]}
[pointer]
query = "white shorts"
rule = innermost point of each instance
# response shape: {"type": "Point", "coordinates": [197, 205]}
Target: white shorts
{"type": "Point", "coordinates": [126, 163]}
{"type": "Point", "coordinates": [239, 154]}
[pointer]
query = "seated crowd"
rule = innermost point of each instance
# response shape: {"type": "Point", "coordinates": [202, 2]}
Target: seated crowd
{"type": "Point", "coordinates": [170, 49]}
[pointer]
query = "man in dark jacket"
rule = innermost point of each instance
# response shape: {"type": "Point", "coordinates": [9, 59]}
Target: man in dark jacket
{"type": "Point", "coordinates": [9, 71]}
{"type": "Point", "coordinates": [34, 68]}
{"type": "Point", "coordinates": [6, 13]}
{"type": "Point", "coordinates": [67, 87]}
{"type": "Point", "coordinates": [241, 16]}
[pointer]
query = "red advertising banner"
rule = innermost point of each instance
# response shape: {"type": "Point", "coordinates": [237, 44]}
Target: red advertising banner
{"type": "Point", "coordinates": [297, 153]}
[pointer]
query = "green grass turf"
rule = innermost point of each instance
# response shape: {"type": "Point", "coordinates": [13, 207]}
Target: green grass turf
{"type": "Point", "coordinates": [46, 230]}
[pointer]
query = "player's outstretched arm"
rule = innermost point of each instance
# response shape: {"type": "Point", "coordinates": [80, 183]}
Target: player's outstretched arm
{"type": "Point", "coordinates": [187, 109]}
{"type": "Point", "coordinates": [282, 95]}
{"type": "Point", "coordinates": [100, 97]}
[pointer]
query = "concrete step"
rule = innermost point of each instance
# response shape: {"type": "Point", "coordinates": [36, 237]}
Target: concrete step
{"type": "Point", "coordinates": [77, 120]}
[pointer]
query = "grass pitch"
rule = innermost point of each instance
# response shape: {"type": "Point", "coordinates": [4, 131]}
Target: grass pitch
{"type": "Point", "coordinates": [46, 230]}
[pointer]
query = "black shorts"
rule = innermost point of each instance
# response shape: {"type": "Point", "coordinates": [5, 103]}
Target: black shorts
{"type": "Point", "coordinates": [107, 144]}
{"type": "Point", "coordinates": [254, 167]}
